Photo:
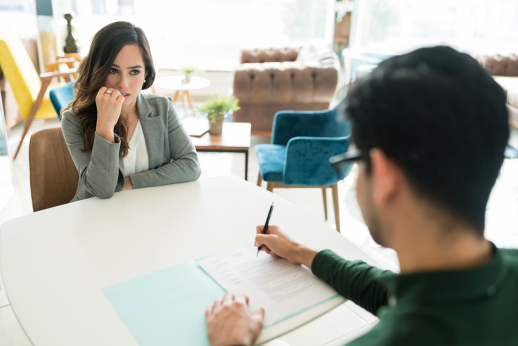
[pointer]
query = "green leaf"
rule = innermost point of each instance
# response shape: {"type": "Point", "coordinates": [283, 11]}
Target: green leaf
{"type": "Point", "coordinates": [219, 105]}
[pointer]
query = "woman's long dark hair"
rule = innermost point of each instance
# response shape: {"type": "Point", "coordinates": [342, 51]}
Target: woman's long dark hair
{"type": "Point", "coordinates": [94, 70]}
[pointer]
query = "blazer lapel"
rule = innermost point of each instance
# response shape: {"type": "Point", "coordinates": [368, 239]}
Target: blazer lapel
{"type": "Point", "coordinates": [153, 133]}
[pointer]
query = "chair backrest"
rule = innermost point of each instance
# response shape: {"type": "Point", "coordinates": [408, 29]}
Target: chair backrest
{"type": "Point", "coordinates": [53, 175]}
{"type": "Point", "coordinates": [326, 123]}
{"type": "Point", "coordinates": [20, 72]}
{"type": "Point", "coordinates": [61, 96]}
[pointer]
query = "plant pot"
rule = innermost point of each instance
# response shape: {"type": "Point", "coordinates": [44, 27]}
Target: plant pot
{"type": "Point", "coordinates": [217, 127]}
{"type": "Point", "coordinates": [187, 78]}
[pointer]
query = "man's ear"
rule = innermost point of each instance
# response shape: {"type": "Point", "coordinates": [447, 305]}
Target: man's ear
{"type": "Point", "coordinates": [385, 176]}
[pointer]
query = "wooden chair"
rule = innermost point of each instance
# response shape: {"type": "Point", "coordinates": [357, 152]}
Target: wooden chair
{"type": "Point", "coordinates": [29, 89]}
{"type": "Point", "coordinates": [53, 175]}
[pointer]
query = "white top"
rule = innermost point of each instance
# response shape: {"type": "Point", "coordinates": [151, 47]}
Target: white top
{"type": "Point", "coordinates": [137, 160]}
{"type": "Point", "coordinates": [56, 262]}
{"type": "Point", "coordinates": [176, 83]}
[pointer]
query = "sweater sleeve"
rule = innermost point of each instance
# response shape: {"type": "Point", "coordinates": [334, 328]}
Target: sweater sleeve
{"type": "Point", "coordinates": [184, 165]}
{"type": "Point", "coordinates": [355, 280]}
{"type": "Point", "coordinates": [99, 169]}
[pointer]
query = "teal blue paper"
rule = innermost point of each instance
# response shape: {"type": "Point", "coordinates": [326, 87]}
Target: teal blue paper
{"type": "Point", "coordinates": [166, 307]}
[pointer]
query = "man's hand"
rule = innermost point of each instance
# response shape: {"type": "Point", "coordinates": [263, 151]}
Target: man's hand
{"type": "Point", "coordinates": [277, 244]}
{"type": "Point", "coordinates": [128, 185]}
{"type": "Point", "coordinates": [109, 103]}
{"type": "Point", "coordinates": [230, 323]}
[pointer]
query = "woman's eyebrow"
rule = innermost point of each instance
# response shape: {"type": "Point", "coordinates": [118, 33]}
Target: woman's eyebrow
{"type": "Point", "coordinates": [136, 66]}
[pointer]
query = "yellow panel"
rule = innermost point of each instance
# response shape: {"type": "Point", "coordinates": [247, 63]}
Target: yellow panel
{"type": "Point", "coordinates": [20, 72]}
{"type": "Point", "coordinates": [46, 110]}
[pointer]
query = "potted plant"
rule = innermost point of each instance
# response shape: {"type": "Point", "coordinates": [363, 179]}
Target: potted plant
{"type": "Point", "coordinates": [188, 71]}
{"type": "Point", "coordinates": [217, 108]}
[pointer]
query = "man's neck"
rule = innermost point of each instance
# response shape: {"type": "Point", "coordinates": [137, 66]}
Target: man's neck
{"type": "Point", "coordinates": [428, 246]}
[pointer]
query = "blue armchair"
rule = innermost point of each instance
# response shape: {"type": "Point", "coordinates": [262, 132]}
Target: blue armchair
{"type": "Point", "coordinates": [61, 96]}
{"type": "Point", "coordinates": [298, 156]}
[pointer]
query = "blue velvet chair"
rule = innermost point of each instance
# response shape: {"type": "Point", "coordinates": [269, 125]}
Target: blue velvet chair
{"type": "Point", "coordinates": [61, 96]}
{"type": "Point", "coordinates": [298, 156]}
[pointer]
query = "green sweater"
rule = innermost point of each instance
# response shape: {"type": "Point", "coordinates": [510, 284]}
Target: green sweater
{"type": "Point", "coordinates": [467, 307]}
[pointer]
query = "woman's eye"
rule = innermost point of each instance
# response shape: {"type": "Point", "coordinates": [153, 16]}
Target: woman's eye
{"type": "Point", "coordinates": [113, 70]}
{"type": "Point", "coordinates": [134, 72]}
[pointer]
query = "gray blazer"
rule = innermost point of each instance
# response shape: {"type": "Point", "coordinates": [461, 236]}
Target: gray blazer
{"type": "Point", "coordinates": [172, 156]}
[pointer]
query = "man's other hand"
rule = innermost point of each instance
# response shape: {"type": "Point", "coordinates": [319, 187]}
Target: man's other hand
{"type": "Point", "coordinates": [229, 322]}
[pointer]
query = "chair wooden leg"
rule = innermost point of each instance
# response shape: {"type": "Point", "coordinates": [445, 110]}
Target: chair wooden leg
{"type": "Point", "coordinates": [269, 187]}
{"type": "Point", "coordinates": [324, 195]}
{"type": "Point", "coordinates": [34, 109]}
{"type": "Point", "coordinates": [334, 189]}
{"type": "Point", "coordinates": [259, 179]}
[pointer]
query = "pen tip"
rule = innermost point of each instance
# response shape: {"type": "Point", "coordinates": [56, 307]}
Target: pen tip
{"type": "Point", "coordinates": [272, 204]}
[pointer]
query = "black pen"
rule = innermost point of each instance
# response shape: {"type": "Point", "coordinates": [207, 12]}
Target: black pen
{"type": "Point", "coordinates": [265, 227]}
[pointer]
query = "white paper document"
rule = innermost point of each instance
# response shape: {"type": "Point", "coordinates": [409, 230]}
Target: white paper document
{"type": "Point", "coordinates": [283, 289]}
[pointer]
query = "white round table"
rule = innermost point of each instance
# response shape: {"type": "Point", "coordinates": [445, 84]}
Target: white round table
{"type": "Point", "coordinates": [56, 262]}
{"type": "Point", "coordinates": [177, 83]}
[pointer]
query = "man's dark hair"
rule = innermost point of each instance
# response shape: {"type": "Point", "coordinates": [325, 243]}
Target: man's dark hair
{"type": "Point", "coordinates": [443, 119]}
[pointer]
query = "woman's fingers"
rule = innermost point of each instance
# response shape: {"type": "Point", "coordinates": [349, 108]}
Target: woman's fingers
{"type": "Point", "coordinates": [101, 92]}
{"type": "Point", "coordinates": [120, 99]}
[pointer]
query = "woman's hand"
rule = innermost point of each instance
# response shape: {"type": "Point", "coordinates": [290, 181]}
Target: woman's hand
{"type": "Point", "coordinates": [229, 322]}
{"type": "Point", "coordinates": [109, 103]}
{"type": "Point", "coordinates": [128, 185]}
{"type": "Point", "coordinates": [277, 244]}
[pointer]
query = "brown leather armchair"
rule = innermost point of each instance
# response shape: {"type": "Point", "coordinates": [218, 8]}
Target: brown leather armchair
{"type": "Point", "coordinates": [505, 72]}
{"type": "Point", "coordinates": [271, 80]}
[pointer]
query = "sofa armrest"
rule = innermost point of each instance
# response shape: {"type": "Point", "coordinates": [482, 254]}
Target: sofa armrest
{"type": "Point", "coordinates": [269, 55]}
{"type": "Point", "coordinates": [290, 124]}
{"type": "Point", "coordinates": [287, 82]}
{"type": "Point", "coordinates": [307, 160]}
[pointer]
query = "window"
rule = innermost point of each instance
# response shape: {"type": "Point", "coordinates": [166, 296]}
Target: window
{"type": "Point", "coordinates": [208, 34]}
{"type": "Point", "coordinates": [473, 26]}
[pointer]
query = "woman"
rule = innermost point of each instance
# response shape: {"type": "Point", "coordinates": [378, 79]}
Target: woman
{"type": "Point", "coordinates": [119, 138]}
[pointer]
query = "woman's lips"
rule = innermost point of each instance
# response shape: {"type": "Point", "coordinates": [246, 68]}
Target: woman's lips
{"type": "Point", "coordinates": [125, 95]}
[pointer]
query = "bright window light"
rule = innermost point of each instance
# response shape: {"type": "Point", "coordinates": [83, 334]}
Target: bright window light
{"type": "Point", "coordinates": [208, 34]}
{"type": "Point", "coordinates": [473, 26]}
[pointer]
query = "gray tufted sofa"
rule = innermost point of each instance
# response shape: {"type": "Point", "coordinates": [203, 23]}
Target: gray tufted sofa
{"type": "Point", "coordinates": [271, 80]}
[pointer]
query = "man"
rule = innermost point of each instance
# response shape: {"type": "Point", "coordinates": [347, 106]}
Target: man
{"type": "Point", "coordinates": [431, 127]}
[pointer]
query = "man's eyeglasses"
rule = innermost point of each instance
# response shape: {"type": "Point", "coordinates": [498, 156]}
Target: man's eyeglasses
{"type": "Point", "coordinates": [341, 162]}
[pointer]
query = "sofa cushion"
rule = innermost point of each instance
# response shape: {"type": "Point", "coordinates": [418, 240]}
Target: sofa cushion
{"type": "Point", "coordinates": [271, 159]}
{"type": "Point", "coordinates": [316, 53]}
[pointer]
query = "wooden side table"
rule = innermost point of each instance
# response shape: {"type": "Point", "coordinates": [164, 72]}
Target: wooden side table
{"type": "Point", "coordinates": [235, 138]}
